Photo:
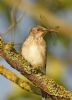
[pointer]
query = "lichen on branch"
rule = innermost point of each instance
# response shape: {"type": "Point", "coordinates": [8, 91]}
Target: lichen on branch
{"type": "Point", "coordinates": [40, 80]}
{"type": "Point", "coordinates": [14, 78]}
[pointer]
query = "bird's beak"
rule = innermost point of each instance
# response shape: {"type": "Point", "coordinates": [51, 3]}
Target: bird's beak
{"type": "Point", "coordinates": [45, 31]}
{"type": "Point", "coordinates": [49, 31]}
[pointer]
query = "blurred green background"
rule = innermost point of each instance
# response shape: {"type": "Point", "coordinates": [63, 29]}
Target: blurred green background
{"type": "Point", "coordinates": [53, 15]}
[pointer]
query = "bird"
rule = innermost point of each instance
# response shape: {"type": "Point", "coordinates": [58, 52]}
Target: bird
{"type": "Point", "coordinates": [34, 50]}
{"type": "Point", "coordinates": [34, 47]}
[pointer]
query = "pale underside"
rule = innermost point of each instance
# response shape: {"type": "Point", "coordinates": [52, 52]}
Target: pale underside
{"type": "Point", "coordinates": [34, 51]}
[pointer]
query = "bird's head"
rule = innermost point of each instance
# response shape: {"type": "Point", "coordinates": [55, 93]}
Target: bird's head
{"type": "Point", "coordinates": [38, 31]}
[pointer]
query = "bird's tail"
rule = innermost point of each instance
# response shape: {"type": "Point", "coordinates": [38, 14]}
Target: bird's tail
{"type": "Point", "coordinates": [43, 98]}
{"type": "Point", "coordinates": [44, 95]}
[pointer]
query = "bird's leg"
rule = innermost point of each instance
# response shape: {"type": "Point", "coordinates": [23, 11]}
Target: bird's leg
{"type": "Point", "coordinates": [44, 95]}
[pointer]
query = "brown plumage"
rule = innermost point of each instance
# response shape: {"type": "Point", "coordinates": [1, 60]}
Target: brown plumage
{"type": "Point", "coordinates": [34, 48]}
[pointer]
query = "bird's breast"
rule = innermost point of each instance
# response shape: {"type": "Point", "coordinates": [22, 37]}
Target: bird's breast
{"type": "Point", "coordinates": [34, 53]}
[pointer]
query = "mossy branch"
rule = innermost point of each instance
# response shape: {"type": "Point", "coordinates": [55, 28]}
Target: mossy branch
{"type": "Point", "coordinates": [14, 78]}
{"type": "Point", "coordinates": [24, 84]}
{"type": "Point", "coordinates": [37, 78]}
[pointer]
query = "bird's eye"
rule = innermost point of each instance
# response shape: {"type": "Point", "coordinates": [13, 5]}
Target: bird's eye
{"type": "Point", "coordinates": [38, 29]}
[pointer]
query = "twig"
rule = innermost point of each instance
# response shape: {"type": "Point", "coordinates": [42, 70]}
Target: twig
{"type": "Point", "coordinates": [13, 24]}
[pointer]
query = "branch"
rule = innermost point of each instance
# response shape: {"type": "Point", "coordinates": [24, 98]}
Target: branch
{"type": "Point", "coordinates": [26, 85]}
{"type": "Point", "coordinates": [38, 79]}
{"type": "Point", "coordinates": [14, 78]}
